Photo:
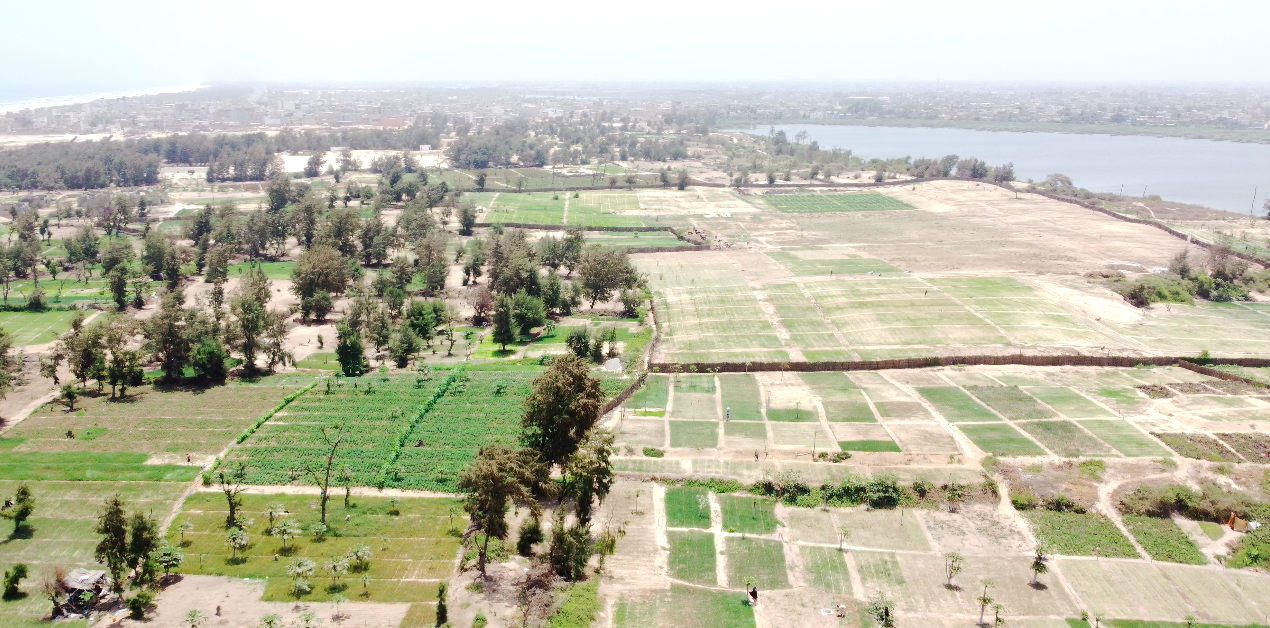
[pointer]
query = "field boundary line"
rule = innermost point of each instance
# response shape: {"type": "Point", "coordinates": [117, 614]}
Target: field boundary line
{"type": "Point", "coordinates": [1015, 359]}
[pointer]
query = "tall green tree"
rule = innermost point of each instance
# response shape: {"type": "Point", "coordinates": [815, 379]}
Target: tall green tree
{"type": "Point", "coordinates": [527, 312]}
{"type": "Point", "coordinates": [349, 351]}
{"type": "Point", "coordinates": [561, 409]}
{"type": "Point", "coordinates": [491, 484]}
{"type": "Point", "coordinates": [588, 472]}
{"type": "Point", "coordinates": [143, 540]}
{"type": "Point", "coordinates": [504, 332]}
{"type": "Point", "coordinates": [112, 549]}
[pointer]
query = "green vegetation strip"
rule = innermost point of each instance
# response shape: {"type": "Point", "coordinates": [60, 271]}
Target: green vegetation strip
{"type": "Point", "coordinates": [687, 507]}
{"type": "Point", "coordinates": [1001, 439]}
{"type": "Point", "coordinates": [1163, 540]}
{"type": "Point", "coordinates": [382, 479]}
{"type": "Point", "coordinates": [692, 557]}
{"type": "Point", "coordinates": [750, 515]}
{"type": "Point", "coordinates": [579, 607]}
{"type": "Point", "coordinates": [1075, 534]}
{"type": "Point", "coordinates": [759, 559]}
{"type": "Point", "coordinates": [851, 202]}
{"type": "Point", "coordinates": [868, 445]}
{"type": "Point", "coordinates": [88, 466]}
{"type": "Point", "coordinates": [956, 405]}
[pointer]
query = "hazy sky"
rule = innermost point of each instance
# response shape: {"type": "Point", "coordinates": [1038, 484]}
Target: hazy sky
{"type": "Point", "coordinates": [135, 43]}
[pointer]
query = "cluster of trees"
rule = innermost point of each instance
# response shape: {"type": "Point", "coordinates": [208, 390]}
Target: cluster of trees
{"type": "Point", "coordinates": [229, 157]}
{"type": "Point", "coordinates": [77, 165]}
{"type": "Point", "coordinates": [582, 141]}
{"type": "Point", "coordinates": [563, 461]}
{"type": "Point", "coordinates": [1220, 276]}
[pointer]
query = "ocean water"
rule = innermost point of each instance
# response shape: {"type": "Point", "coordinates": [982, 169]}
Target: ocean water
{"type": "Point", "coordinates": [1221, 175]}
{"type": "Point", "coordinates": [19, 97]}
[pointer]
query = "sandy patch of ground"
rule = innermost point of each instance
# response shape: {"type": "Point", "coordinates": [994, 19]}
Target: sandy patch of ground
{"type": "Point", "coordinates": [975, 530]}
{"type": "Point", "coordinates": [240, 607]}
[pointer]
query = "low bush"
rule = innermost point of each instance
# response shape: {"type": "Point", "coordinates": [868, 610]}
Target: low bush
{"type": "Point", "coordinates": [1024, 501]}
{"type": "Point", "coordinates": [1210, 503]}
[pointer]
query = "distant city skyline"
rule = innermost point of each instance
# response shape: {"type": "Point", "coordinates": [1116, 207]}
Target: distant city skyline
{"type": "Point", "coordinates": [140, 43]}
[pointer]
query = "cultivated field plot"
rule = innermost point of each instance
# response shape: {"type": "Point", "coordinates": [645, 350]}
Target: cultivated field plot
{"type": "Point", "coordinates": [683, 607]}
{"type": "Point", "coordinates": [62, 529]}
{"type": "Point", "coordinates": [200, 421]}
{"type": "Point", "coordinates": [412, 550]}
{"type": "Point", "coordinates": [36, 328]}
{"type": "Point", "coordinates": [692, 201]}
{"type": "Point", "coordinates": [375, 410]}
{"type": "Point", "coordinates": [692, 557]}
{"type": "Point", "coordinates": [635, 239]}
{"type": "Point", "coordinates": [825, 203]}
{"type": "Point", "coordinates": [1164, 540]}
{"type": "Point", "coordinates": [1158, 592]}
{"type": "Point", "coordinates": [605, 209]}
{"type": "Point", "coordinates": [479, 408]}
{"type": "Point", "coordinates": [759, 559]}
{"type": "Point", "coordinates": [535, 209]}
{"type": "Point", "coordinates": [802, 263]}
{"type": "Point", "coordinates": [1073, 534]}
{"type": "Point", "coordinates": [1221, 328]}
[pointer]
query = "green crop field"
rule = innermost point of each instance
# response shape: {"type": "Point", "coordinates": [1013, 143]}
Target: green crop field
{"type": "Point", "coordinates": [694, 434]}
{"type": "Point", "coordinates": [868, 445]}
{"type": "Point", "coordinates": [801, 267]}
{"type": "Point", "coordinates": [826, 569]}
{"type": "Point", "coordinates": [685, 507]}
{"type": "Point", "coordinates": [61, 532]}
{"type": "Point", "coordinates": [1065, 438]}
{"type": "Point", "coordinates": [793, 415]}
{"type": "Point", "coordinates": [1074, 534]}
{"type": "Point", "coordinates": [535, 209]}
{"type": "Point", "coordinates": [320, 362]}
{"type": "Point", "coordinates": [273, 270]}
{"type": "Point", "coordinates": [1163, 540]}
{"type": "Point", "coordinates": [1011, 402]}
{"type": "Point", "coordinates": [752, 515]}
{"type": "Point", "coordinates": [692, 557]}
{"type": "Point", "coordinates": [1127, 439]}
{"type": "Point", "coordinates": [653, 394]}
{"type": "Point", "coordinates": [760, 559]}
{"type": "Point", "coordinates": [35, 328]}
{"type": "Point", "coordinates": [956, 405]}
{"type": "Point", "coordinates": [480, 407]}
{"type": "Point", "coordinates": [604, 209]}
{"type": "Point", "coordinates": [740, 397]}
{"type": "Point", "coordinates": [1068, 402]}
{"type": "Point", "coordinates": [694, 384]}
{"type": "Point", "coordinates": [1002, 440]}
{"type": "Point", "coordinates": [684, 607]}
{"type": "Point", "coordinates": [411, 550]}
{"type": "Point", "coordinates": [182, 421]}
{"type": "Point", "coordinates": [374, 410]}
{"type": "Point", "coordinates": [819, 203]}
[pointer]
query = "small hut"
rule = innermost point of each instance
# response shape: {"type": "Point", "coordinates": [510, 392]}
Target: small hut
{"type": "Point", "coordinates": [83, 588]}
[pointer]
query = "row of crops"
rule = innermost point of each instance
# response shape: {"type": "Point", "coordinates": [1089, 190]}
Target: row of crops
{"type": "Point", "coordinates": [404, 431]}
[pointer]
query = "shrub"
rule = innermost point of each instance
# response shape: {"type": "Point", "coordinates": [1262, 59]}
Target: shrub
{"type": "Point", "coordinates": [653, 452]}
{"type": "Point", "coordinates": [1024, 501]}
{"type": "Point", "coordinates": [12, 579]}
{"type": "Point", "coordinates": [530, 533]}
{"type": "Point", "coordinates": [139, 604]}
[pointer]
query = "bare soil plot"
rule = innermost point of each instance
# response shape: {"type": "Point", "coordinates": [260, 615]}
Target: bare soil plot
{"type": "Point", "coordinates": [694, 434]}
{"type": "Point", "coordinates": [1121, 589]}
{"type": "Point", "coordinates": [805, 266]}
{"type": "Point", "coordinates": [760, 559]}
{"type": "Point", "coordinates": [1002, 440]}
{"type": "Point", "coordinates": [1011, 578]}
{"type": "Point", "coordinates": [695, 407]}
{"type": "Point", "coordinates": [739, 435]}
{"type": "Point", "coordinates": [1126, 438]}
{"type": "Point", "coordinates": [692, 557]}
{"type": "Point", "coordinates": [925, 439]}
{"type": "Point", "coordinates": [882, 529]}
{"type": "Point", "coordinates": [640, 433]}
{"type": "Point", "coordinates": [1222, 328]}
{"type": "Point", "coordinates": [975, 529]}
{"type": "Point", "coordinates": [955, 405]}
{"type": "Point", "coordinates": [1213, 598]}
{"type": "Point", "coordinates": [809, 525]}
{"type": "Point", "coordinates": [798, 435]}
{"type": "Point", "coordinates": [240, 603]}
{"type": "Point", "coordinates": [1065, 438]}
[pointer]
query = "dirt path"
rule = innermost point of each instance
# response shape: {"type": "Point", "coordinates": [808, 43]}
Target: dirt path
{"type": "Point", "coordinates": [564, 219]}
{"type": "Point", "coordinates": [26, 411]}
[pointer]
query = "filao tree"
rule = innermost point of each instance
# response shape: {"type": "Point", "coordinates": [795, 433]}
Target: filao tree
{"type": "Point", "coordinates": [112, 549]}
{"type": "Point", "coordinates": [491, 484]}
{"type": "Point", "coordinates": [561, 409]}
